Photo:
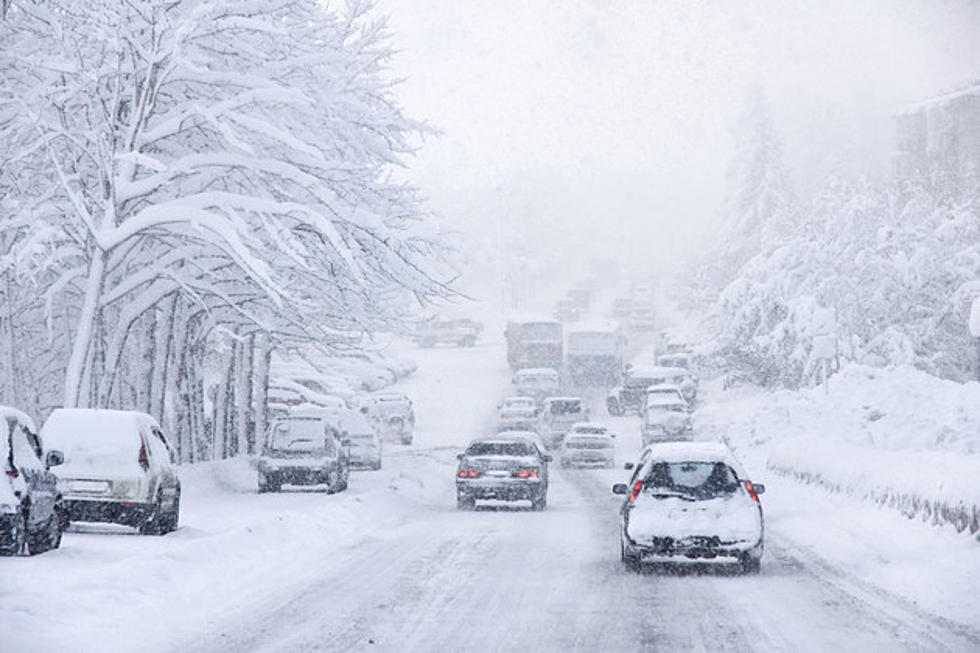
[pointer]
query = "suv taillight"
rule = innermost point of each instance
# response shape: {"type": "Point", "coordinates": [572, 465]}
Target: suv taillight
{"type": "Point", "coordinates": [144, 458]}
{"type": "Point", "coordinates": [636, 491]}
{"type": "Point", "coordinates": [751, 491]}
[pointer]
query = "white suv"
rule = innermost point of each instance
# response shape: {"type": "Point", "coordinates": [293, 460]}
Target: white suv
{"type": "Point", "coordinates": [118, 468]}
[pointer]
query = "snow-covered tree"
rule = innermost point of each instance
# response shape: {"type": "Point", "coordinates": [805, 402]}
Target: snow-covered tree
{"type": "Point", "coordinates": [198, 165]}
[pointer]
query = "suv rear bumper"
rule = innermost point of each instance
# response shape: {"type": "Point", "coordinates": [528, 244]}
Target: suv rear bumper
{"type": "Point", "coordinates": [127, 513]}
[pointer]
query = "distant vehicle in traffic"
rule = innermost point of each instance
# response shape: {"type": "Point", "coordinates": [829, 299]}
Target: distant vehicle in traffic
{"type": "Point", "coordinates": [391, 414]}
{"type": "Point", "coordinates": [461, 332]}
{"type": "Point", "coordinates": [32, 515]}
{"type": "Point", "coordinates": [534, 342]}
{"type": "Point", "coordinates": [566, 310]}
{"type": "Point", "coordinates": [581, 296]}
{"type": "Point", "coordinates": [587, 443]}
{"type": "Point", "coordinates": [690, 501]}
{"type": "Point", "coordinates": [557, 416]}
{"type": "Point", "coordinates": [661, 391]}
{"type": "Point", "coordinates": [303, 449]}
{"type": "Point", "coordinates": [643, 318]}
{"type": "Point", "coordinates": [665, 419]}
{"type": "Point", "coordinates": [628, 397]}
{"type": "Point", "coordinates": [502, 468]}
{"type": "Point", "coordinates": [594, 354]}
{"type": "Point", "coordinates": [517, 414]}
{"type": "Point", "coordinates": [622, 307]}
{"type": "Point", "coordinates": [537, 382]}
{"type": "Point", "coordinates": [118, 467]}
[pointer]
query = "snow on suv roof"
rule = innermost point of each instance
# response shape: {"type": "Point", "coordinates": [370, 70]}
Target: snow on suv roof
{"type": "Point", "coordinates": [704, 451]}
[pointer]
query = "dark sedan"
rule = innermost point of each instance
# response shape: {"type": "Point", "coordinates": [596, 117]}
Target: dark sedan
{"type": "Point", "coordinates": [505, 469]}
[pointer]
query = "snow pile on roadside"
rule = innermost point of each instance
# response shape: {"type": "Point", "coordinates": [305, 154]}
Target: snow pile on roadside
{"type": "Point", "coordinates": [897, 437]}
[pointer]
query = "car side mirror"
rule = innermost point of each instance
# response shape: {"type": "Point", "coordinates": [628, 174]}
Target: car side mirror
{"type": "Point", "coordinates": [364, 410]}
{"type": "Point", "coordinates": [619, 488]}
{"type": "Point", "coordinates": [627, 466]}
{"type": "Point", "coordinates": [546, 457]}
{"type": "Point", "coordinates": [459, 456]}
{"type": "Point", "coordinates": [54, 458]}
{"type": "Point", "coordinates": [759, 488]}
{"type": "Point", "coordinates": [612, 435]}
{"type": "Point", "coordinates": [346, 442]}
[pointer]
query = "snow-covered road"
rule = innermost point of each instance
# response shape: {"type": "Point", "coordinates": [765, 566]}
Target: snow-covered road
{"type": "Point", "coordinates": [391, 565]}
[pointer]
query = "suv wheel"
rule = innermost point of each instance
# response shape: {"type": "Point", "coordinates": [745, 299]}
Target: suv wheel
{"type": "Point", "coordinates": [612, 406]}
{"type": "Point", "coordinates": [48, 538]}
{"type": "Point", "coordinates": [18, 536]}
{"type": "Point", "coordinates": [539, 502]}
{"type": "Point", "coordinates": [750, 565]}
{"type": "Point", "coordinates": [153, 525]}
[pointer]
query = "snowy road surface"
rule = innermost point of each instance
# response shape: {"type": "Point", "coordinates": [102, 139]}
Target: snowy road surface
{"type": "Point", "coordinates": [391, 565]}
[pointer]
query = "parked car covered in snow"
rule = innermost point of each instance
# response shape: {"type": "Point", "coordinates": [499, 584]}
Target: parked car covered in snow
{"type": "Point", "coordinates": [665, 418]}
{"type": "Point", "coordinates": [587, 443]}
{"type": "Point", "coordinates": [517, 414]}
{"type": "Point", "coordinates": [557, 416]}
{"type": "Point", "coordinates": [505, 468]}
{"type": "Point", "coordinates": [537, 382]}
{"type": "Point", "coordinates": [118, 467]}
{"type": "Point", "coordinates": [31, 511]}
{"type": "Point", "coordinates": [364, 445]}
{"type": "Point", "coordinates": [304, 448]}
{"type": "Point", "coordinates": [691, 501]}
{"type": "Point", "coordinates": [662, 390]}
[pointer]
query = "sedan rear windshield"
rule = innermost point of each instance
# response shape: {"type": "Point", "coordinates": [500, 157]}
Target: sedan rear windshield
{"type": "Point", "coordinates": [698, 479]}
{"type": "Point", "coordinates": [499, 449]}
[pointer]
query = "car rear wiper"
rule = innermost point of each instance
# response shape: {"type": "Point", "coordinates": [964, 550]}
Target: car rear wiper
{"type": "Point", "coordinates": [660, 494]}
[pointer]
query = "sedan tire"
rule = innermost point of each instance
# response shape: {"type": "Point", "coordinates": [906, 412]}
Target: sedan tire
{"type": "Point", "coordinates": [465, 502]}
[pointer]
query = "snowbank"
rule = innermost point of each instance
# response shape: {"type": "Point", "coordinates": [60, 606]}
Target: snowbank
{"type": "Point", "coordinates": [897, 437]}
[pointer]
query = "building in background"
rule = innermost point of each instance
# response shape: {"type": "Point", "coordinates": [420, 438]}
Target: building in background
{"type": "Point", "coordinates": [939, 139]}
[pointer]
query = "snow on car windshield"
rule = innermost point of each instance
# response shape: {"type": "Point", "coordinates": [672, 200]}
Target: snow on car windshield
{"type": "Point", "coordinates": [299, 434]}
{"type": "Point", "coordinates": [500, 449]}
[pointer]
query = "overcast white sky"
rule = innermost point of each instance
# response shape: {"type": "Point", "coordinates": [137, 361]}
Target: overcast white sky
{"type": "Point", "coordinates": [580, 121]}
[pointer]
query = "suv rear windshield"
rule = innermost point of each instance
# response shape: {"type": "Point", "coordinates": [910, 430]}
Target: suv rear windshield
{"type": "Point", "coordinates": [499, 449]}
{"type": "Point", "coordinates": [566, 407]}
{"type": "Point", "coordinates": [702, 480]}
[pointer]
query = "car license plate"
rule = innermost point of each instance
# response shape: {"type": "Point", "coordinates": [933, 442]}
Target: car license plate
{"type": "Point", "coordinates": [91, 487]}
{"type": "Point", "coordinates": [499, 473]}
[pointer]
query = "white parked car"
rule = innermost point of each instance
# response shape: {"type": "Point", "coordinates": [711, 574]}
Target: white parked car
{"type": "Point", "coordinates": [118, 467]}
{"type": "Point", "coordinates": [587, 443]}
{"type": "Point", "coordinates": [364, 445]}
{"type": "Point", "coordinates": [517, 414]}
{"type": "Point", "coordinates": [391, 414]}
{"type": "Point", "coordinates": [304, 448]}
{"type": "Point", "coordinates": [666, 390]}
{"type": "Point", "coordinates": [691, 501]}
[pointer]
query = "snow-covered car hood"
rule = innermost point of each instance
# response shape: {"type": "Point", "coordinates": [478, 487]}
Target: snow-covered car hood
{"type": "Point", "coordinates": [732, 518]}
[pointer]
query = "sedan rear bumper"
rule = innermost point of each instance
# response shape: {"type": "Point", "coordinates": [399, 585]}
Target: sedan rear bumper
{"type": "Point", "coordinates": [503, 489]}
{"type": "Point", "coordinates": [695, 548]}
{"type": "Point", "coordinates": [126, 513]}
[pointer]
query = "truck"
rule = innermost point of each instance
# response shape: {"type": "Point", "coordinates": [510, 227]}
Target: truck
{"type": "Point", "coordinates": [595, 354]}
{"type": "Point", "coordinates": [534, 342]}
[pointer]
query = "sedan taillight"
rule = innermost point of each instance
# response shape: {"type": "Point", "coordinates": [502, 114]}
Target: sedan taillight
{"type": "Point", "coordinates": [468, 473]}
{"type": "Point", "coordinates": [751, 491]}
{"type": "Point", "coordinates": [525, 473]}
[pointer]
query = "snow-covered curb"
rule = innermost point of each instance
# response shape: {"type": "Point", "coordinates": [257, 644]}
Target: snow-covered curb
{"type": "Point", "coordinates": [940, 487]}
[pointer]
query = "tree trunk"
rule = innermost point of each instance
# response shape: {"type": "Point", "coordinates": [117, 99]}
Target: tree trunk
{"type": "Point", "coordinates": [82, 340]}
{"type": "Point", "coordinates": [260, 390]}
{"type": "Point", "coordinates": [243, 396]}
{"type": "Point", "coordinates": [222, 406]}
